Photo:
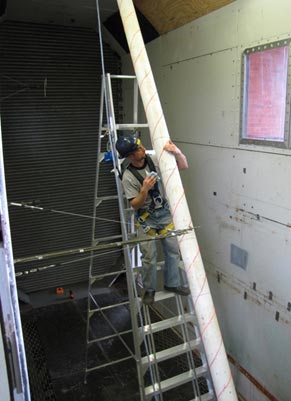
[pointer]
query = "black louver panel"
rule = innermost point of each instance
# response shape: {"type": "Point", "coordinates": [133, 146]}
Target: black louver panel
{"type": "Point", "coordinates": [50, 99]}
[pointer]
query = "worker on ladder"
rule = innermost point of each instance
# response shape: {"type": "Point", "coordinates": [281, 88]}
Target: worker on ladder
{"type": "Point", "coordinates": [144, 190]}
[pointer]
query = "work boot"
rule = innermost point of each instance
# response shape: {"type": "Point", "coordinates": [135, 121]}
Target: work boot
{"type": "Point", "coordinates": [149, 297]}
{"type": "Point", "coordinates": [184, 291]}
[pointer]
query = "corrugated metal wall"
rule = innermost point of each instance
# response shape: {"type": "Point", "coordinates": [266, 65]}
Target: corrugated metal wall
{"type": "Point", "coordinates": [50, 99]}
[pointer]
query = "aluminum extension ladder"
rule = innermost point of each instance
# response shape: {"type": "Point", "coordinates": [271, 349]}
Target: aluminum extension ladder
{"type": "Point", "coordinates": [167, 345]}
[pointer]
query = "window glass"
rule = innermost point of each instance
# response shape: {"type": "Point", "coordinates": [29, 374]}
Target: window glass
{"type": "Point", "coordinates": [265, 93]}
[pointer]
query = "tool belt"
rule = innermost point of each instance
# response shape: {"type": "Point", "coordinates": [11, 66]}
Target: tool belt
{"type": "Point", "coordinates": [141, 222]}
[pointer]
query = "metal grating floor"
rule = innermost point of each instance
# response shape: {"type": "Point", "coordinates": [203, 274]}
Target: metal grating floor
{"type": "Point", "coordinates": [41, 388]}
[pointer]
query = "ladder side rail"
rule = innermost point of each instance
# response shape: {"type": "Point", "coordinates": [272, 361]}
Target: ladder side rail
{"type": "Point", "coordinates": [97, 171]}
{"type": "Point", "coordinates": [136, 254]}
{"type": "Point", "coordinates": [94, 223]}
{"type": "Point", "coordinates": [154, 370]}
{"type": "Point", "coordinates": [186, 339]}
{"type": "Point", "coordinates": [204, 359]}
{"type": "Point", "coordinates": [129, 273]}
{"type": "Point", "coordinates": [106, 98]}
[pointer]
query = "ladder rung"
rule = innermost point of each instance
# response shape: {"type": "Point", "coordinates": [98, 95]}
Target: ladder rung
{"type": "Point", "coordinates": [168, 323]}
{"type": "Point", "coordinates": [88, 370]}
{"type": "Point", "coordinates": [93, 278]}
{"type": "Point", "coordinates": [104, 198]}
{"type": "Point", "coordinates": [131, 126]}
{"type": "Point", "coordinates": [162, 295]}
{"type": "Point", "coordinates": [170, 352]}
{"type": "Point", "coordinates": [175, 381]}
{"type": "Point", "coordinates": [123, 76]}
{"type": "Point", "coordinates": [92, 311]}
{"type": "Point", "coordinates": [109, 337]}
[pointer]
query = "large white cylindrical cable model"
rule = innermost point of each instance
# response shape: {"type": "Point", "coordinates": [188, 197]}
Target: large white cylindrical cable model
{"type": "Point", "coordinates": [204, 308]}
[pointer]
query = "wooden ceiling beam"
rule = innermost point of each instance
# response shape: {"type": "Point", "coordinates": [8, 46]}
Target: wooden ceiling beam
{"type": "Point", "coordinates": [166, 15]}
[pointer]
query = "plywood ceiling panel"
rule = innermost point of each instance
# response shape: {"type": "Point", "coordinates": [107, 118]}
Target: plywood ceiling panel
{"type": "Point", "coordinates": [166, 15]}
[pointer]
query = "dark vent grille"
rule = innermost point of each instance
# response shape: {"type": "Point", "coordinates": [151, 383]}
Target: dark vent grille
{"type": "Point", "coordinates": [50, 99]}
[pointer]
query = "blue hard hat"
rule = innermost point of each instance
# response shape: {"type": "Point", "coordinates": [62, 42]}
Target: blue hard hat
{"type": "Point", "coordinates": [126, 145]}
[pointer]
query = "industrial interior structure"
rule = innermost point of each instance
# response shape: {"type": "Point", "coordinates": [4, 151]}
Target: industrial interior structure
{"type": "Point", "coordinates": [72, 323]}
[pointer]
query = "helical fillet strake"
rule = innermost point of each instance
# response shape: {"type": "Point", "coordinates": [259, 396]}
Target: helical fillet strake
{"type": "Point", "coordinates": [204, 308]}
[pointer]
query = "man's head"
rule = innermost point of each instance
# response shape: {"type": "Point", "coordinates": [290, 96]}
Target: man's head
{"type": "Point", "coordinates": [127, 145]}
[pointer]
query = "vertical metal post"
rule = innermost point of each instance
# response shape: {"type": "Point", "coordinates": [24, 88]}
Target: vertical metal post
{"type": "Point", "coordinates": [9, 300]}
{"type": "Point", "coordinates": [211, 335]}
